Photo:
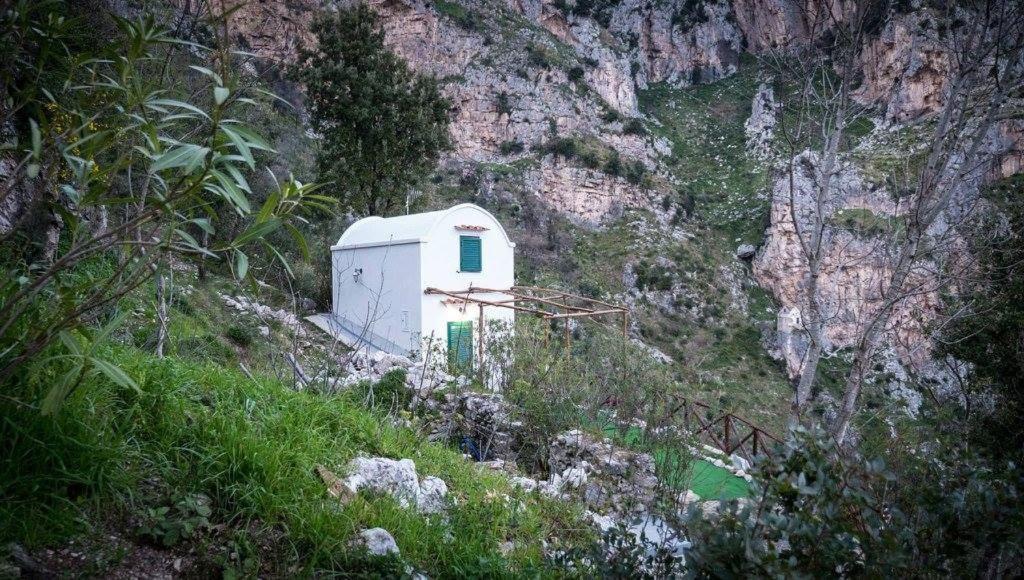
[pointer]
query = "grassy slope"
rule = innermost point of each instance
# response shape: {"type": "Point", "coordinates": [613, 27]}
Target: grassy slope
{"type": "Point", "coordinates": [722, 345]}
{"type": "Point", "coordinates": [251, 446]}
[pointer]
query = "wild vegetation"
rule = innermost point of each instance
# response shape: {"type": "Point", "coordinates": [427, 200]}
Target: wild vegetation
{"type": "Point", "coordinates": [164, 409]}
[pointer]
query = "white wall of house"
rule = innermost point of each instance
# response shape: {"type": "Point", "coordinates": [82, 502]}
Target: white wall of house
{"type": "Point", "coordinates": [384, 300]}
{"type": "Point", "coordinates": [441, 270]}
{"type": "Point", "coordinates": [397, 259]}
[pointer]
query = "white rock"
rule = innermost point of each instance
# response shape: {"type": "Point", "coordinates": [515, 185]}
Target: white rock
{"type": "Point", "coordinates": [432, 496]}
{"type": "Point", "coordinates": [525, 483]}
{"type": "Point", "coordinates": [745, 251]}
{"type": "Point", "coordinates": [603, 523]}
{"type": "Point", "coordinates": [398, 479]}
{"type": "Point", "coordinates": [377, 542]}
{"type": "Point", "coordinates": [394, 477]}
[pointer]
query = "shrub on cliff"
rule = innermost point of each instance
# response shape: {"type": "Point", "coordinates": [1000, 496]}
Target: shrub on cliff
{"type": "Point", "coordinates": [383, 126]}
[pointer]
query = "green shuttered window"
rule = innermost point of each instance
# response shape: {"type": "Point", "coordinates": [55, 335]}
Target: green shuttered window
{"type": "Point", "coordinates": [469, 254]}
{"type": "Point", "coordinates": [460, 345]}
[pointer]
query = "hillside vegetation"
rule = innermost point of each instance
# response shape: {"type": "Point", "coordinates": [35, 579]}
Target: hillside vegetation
{"type": "Point", "coordinates": [172, 181]}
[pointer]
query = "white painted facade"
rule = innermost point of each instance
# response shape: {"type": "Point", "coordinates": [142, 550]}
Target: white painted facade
{"type": "Point", "coordinates": [381, 268]}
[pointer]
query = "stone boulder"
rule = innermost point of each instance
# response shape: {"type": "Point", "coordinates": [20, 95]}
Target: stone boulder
{"type": "Point", "coordinates": [746, 251]}
{"type": "Point", "coordinates": [398, 479]}
{"type": "Point", "coordinates": [377, 542]}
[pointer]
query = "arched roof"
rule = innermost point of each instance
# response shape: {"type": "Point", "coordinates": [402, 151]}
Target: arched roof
{"type": "Point", "coordinates": [417, 227]}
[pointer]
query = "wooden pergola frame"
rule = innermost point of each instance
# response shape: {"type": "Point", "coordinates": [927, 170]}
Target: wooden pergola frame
{"type": "Point", "coordinates": [545, 303]}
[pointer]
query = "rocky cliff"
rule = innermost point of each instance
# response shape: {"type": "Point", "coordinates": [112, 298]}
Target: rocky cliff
{"type": "Point", "coordinates": [524, 72]}
{"type": "Point", "coordinates": [524, 76]}
{"type": "Point", "coordinates": [862, 221]}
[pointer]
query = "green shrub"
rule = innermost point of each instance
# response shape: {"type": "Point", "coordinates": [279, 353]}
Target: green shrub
{"type": "Point", "coordinates": [390, 393]}
{"type": "Point", "coordinates": [503, 105]}
{"type": "Point", "coordinates": [462, 16]}
{"type": "Point", "coordinates": [241, 335]}
{"type": "Point", "coordinates": [203, 347]}
{"type": "Point", "coordinates": [510, 147]}
{"type": "Point", "coordinates": [576, 74]}
{"type": "Point", "coordinates": [610, 115]}
{"type": "Point", "coordinates": [634, 126]}
{"type": "Point", "coordinates": [613, 165]}
{"type": "Point", "coordinates": [652, 276]}
{"type": "Point", "coordinates": [167, 526]}
{"type": "Point", "coordinates": [537, 56]}
{"type": "Point", "coordinates": [635, 172]}
{"type": "Point", "coordinates": [562, 146]}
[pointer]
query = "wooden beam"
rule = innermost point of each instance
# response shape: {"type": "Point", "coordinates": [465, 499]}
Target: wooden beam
{"type": "Point", "coordinates": [570, 295]}
{"type": "Point", "coordinates": [542, 313]}
{"type": "Point", "coordinates": [579, 314]}
{"type": "Point", "coordinates": [550, 302]}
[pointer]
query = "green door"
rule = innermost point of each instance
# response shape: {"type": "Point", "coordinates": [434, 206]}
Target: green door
{"type": "Point", "coordinates": [460, 345]}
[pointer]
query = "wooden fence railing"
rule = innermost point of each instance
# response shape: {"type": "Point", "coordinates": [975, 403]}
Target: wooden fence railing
{"type": "Point", "coordinates": [727, 432]}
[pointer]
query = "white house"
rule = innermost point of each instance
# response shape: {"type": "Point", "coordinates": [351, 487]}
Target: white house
{"type": "Point", "coordinates": [382, 267]}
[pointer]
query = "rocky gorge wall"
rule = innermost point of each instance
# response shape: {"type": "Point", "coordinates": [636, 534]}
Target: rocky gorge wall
{"type": "Point", "coordinates": [523, 72]}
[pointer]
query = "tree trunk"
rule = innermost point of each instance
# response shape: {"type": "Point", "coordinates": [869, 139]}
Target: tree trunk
{"type": "Point", "coordinates": [54, 226]}
{"type": "Point", "coordinates": [161, 314]}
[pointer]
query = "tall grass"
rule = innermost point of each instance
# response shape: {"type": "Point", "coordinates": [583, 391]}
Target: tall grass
{"type": "Point", "coordinates": [251, 446]}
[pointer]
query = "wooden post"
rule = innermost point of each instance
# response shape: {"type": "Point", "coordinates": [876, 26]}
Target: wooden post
{"type": "Point", "coordinates": [757, 434]}
{"type": "Point", "coordinates": [728, 424]}
{"type": "Point", "coordinates": [625, 324]}
{"type": "Point", "coordinates": [480, 344]}
{"type": "Point", "coordinates": [567, 337]}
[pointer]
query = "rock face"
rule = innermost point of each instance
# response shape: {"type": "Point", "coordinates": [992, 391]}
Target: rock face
{"type": "Point", "coordinates": [771, 24]}
{"type": "Point", "coordinates": [675, 47]}
{"type": "Point", "coordinates": [905, 71]}
{"type": "Point", "coordinates": [760, 126]}
{"type": "Point", "coordinates": [523, 72]}
{"type": "Point", "coordinates": [586, 194]}
{"type": "Point", "coordinates": [275, 29]}
{"type": "Point", "coordinates": [855, 263]}
{"type": "Point", "coordinates": [862, 226]}
{"type": "Point", "coordinates": [605, 477]}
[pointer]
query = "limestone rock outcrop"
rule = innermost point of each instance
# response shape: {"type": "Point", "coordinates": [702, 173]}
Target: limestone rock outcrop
{"type": "Point", "coordinates": [905, 70]}
{"type": "Point", "coordinates": [586, 194]}
{"type": "Point", "coordinates": [760, 126]}
{"type": "Point", "coordinates": [772, 23]}
{"type": "Point", "coordinates": [856, 261]}
{"type": "Point", "coordinates": [678, 48]}
{"type": "Point", "coordinates": [607, 478]}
